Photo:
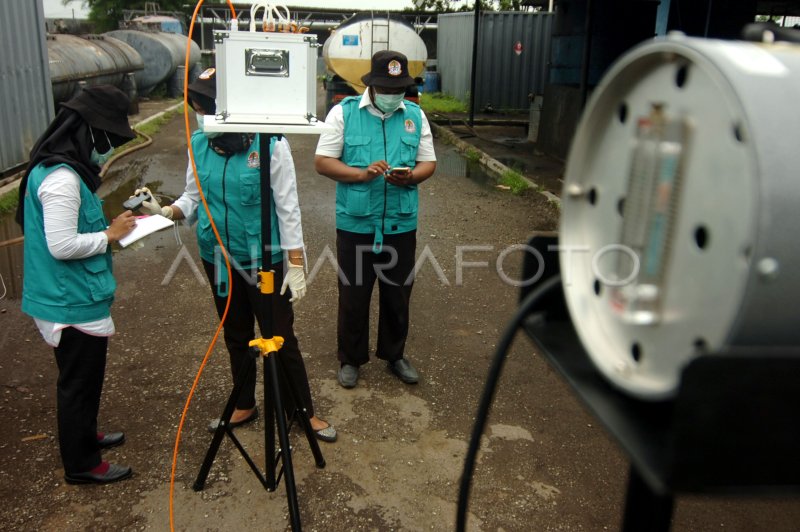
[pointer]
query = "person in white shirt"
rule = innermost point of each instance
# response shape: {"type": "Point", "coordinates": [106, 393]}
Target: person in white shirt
{"type": "Point", "coordinates": [379, 152]}
{"type": "Point", "coordinates": [68, 285]}
{"type": "Point", "coordinates": [228, 167]}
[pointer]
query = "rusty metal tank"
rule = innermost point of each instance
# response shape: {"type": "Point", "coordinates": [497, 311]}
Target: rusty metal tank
{"type": "Point", "coordinates": [161, 52]}
{"type": "Point", "coordinates": [92, 60]}
{"type": "Point", "coordinates": [348, 50]}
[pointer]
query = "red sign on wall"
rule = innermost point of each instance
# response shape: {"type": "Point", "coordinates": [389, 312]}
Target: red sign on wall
{"type": "Point", "coordinates": [518, 47]}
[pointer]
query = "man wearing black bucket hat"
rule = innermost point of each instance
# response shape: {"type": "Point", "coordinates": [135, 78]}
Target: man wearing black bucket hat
{"type": "Point", "coordinates": [68, 286]}
{"type": "Point", "coordinates": [380, 150]}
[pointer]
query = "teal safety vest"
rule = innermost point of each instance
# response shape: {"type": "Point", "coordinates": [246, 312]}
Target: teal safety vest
{"type": "Point", "coordinates": [377, 206]}
{"type": "Point", "coordinates": [232, 187]}
{"type": "Point", "coordinates": [64, 291]}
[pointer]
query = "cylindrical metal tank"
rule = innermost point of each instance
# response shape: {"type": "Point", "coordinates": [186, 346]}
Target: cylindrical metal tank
{"type": "Point", "coordinates": [95, 59]}
{"type": "Point", "coordinates": [161, 53]}
{"type": "Point", "coordinates": [348, 51]}
{"type": "Point", "coordinates": [175, 84]}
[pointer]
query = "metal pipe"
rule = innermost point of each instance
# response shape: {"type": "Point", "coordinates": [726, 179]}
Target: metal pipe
{"type": "Point", "coordinates": [587, 53]}
{"type": "Point", "coordinates": [11, 242]}
{"type": "Point", "coordinates": [474, 63]}
{"type": "Point", "coordinates": [708, 17]}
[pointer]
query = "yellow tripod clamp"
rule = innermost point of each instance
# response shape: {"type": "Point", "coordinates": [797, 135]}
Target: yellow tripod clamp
{"type": "Point", "coordinates": [267, 345]}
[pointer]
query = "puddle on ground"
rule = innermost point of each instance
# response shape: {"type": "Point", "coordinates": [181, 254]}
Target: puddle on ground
{"type": "Point", "coordinates": [119, 184]}
{"type": "Point", "coordinates": [510, 141]}
{"type": "Point", "coordinates": [450, 163]}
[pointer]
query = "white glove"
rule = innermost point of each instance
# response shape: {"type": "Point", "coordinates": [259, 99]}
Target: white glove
{"type": "Point", "coordinates": [152, 206]}
{"type": "Point", "coordinates": [295, 279]}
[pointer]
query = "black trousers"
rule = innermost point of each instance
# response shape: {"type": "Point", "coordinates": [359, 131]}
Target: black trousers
{"type": "Point", "coordinates": [393, 268]}
{"type": "Point", "coordinates": [81, 360]}
{"type": "Point", "coordinates": [239, 330]}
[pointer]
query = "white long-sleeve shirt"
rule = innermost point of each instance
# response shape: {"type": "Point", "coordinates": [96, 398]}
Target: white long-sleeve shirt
{"type": "Point", "coordinates": [60, 196]}
{"type": "Point", "coordinates": [283, 182]}
{"type": "Point", "coordinates": [331, 144]}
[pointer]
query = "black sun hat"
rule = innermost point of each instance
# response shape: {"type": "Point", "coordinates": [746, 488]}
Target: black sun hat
{"type": "Point", "coordinates": [389, 69]}
{"type": "Point", "coordinates": [104, 107]}
{"type": "Point", "coordinates": [203, 90]}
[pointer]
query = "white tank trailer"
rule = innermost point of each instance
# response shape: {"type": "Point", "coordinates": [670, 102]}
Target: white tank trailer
{"type": "Point", "coordinates": [91, 60]}
{"type": "Point", "coordinates": [348, 50]}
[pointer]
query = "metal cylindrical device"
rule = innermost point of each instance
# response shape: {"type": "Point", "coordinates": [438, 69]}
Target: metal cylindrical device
{"type": "Point", "coordinates": [678, 227]}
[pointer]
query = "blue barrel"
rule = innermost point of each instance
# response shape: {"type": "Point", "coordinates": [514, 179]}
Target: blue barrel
{"type": "Point", "coordinates": [431, 81]}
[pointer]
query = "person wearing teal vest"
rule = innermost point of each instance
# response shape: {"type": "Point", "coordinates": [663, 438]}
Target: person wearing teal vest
{"type": "Point", "coordinates": [68, 286]}
{"type": "Point", "coordinates": [379, 152]}
{"type": "Point", "coordinates": [228, 168]}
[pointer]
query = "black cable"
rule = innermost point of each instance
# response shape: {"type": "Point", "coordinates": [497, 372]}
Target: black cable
{"type": "Point", "coordinates": [488, 394]}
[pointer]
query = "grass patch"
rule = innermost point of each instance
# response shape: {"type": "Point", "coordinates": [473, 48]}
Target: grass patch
{"type": "Point", "coordinates": [8, 202]}
{"type": "Point", "coordinates": [514, 181]}
{"type": "Point", "coordinates": [473, 155]}
{"type": "Point", "coordinates": [153, 126]}
{"type": "Point", "coordinates": [149, 128]}
{"type": "Point", "coordinates": [438, 102]}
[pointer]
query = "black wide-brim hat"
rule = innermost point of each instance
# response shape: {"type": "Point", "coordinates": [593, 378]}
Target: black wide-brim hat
{"type": "Point", "coordinates": [389, 69]}
{"type": "Point", "coordinates": [203, 90]}
{"type": "Point", "coordinates": [104, 107]}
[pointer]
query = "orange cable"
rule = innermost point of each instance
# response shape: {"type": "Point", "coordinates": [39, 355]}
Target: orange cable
{"type": "Point", "coordinates": [224, 254]}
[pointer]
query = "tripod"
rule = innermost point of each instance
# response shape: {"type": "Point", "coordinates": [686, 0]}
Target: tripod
{"type": "Point", "coordinates": [267, 347]}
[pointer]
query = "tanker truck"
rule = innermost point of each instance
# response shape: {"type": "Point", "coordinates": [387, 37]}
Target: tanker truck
{"type": "Point", "coordinates": [348, 50]}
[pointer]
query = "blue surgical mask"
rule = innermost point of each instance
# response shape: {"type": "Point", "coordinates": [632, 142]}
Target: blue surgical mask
{"type": "Point", "coordinates": [209, 134]}
{"type": "Point", "coordinates": [388, 102]}
{"type": "Point", "coordinates": [100, 158]}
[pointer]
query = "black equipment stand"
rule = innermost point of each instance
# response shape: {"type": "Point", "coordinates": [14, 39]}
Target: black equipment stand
{"type": "Point", "coordinates": [267, 348]}
{"type": "Point", "coordinates": [732, 429]}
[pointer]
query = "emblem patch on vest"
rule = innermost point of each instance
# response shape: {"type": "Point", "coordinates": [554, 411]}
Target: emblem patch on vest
{"type": "Point", "coordinates": [410, 126]}
{"type": "Point", "coordinates": [253, 160]}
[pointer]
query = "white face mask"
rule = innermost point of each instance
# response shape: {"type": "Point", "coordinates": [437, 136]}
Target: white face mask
{"type": "Point", "coordinates": [388, 102]}
{"type": "Point", "coordinates": [200, 127]}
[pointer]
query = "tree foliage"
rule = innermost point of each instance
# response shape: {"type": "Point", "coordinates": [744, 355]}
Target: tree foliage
{"type": "Point", "coordinates": [449, 6]}
{"type": "Point", "coordinates": [106, 14]}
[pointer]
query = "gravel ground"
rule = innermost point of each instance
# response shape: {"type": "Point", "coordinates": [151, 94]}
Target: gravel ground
{"type": "Point", "coordinates": [545, 464]}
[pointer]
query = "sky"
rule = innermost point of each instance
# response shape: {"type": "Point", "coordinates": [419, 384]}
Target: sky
{"type": "Point", "coordinates": [54, 9]}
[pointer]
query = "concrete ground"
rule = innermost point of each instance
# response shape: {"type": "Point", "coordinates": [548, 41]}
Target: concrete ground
{"type": "Point", "coordinates": [545, 463]}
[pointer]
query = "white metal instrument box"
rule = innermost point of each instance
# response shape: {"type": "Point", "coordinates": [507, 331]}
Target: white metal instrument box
{"type": "Point", "coordinates": [266, 77]}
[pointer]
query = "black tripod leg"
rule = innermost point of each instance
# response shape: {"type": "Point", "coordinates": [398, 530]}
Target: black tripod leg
{"type": "Point", "coordinates": [269, 429]}
{"type": "Point", "coordinates": [312, 439]}
{"type": "Point", "coordinates": [241, 376]}
{"type": "Point", "coordinates": [302, 415]}
{"type": "Point", "coordinates": [283, 435]}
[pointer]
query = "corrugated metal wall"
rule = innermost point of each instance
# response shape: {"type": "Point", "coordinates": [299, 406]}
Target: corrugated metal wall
{"type": "Point", "coordinates": [454, 53]}
{"type": "Point", "coordinates": [26, 101]}
{"type": "Point", "coordinates": [513, 56]}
